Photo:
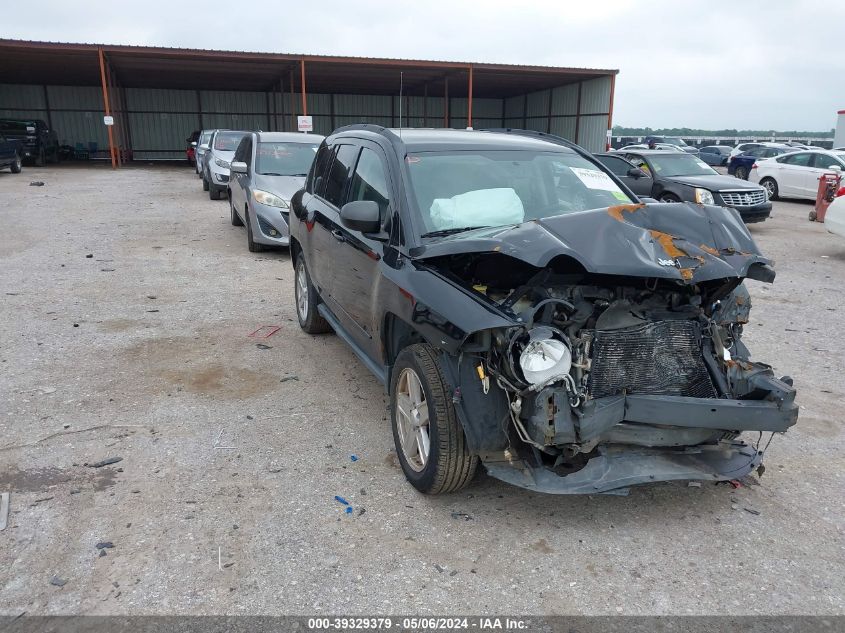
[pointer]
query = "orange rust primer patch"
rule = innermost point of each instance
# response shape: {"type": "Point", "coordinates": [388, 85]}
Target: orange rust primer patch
{"type": "Point", "coordinates": [709, 249]}
{"type": "Point", "coordinates": [616, 211]}
{"type": "Point", "coordinates": [668, 244]}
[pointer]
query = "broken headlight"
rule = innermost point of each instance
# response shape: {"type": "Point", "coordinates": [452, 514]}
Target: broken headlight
{"type": "Point", "coordinates": [544, 357]}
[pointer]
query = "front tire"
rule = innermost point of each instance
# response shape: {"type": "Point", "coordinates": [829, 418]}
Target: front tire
{"type": "Point", "coordinates": [430, 441]}
{"type": "Point", "coordinates": [771, 187]}
{"type": "Point", "coordinates": [41, 158]}
{"type": "Point", "coordinates": [741, 173]}
{"type": "Point", "coordinates": [236, 221]}
{"type": "Point", "coordinates": [251, 244]}
{"type": "Point", "coordinates": [17, 164]}
{"type": "Point", "coordinates": [307, 300]}
{"type": "Point", "coordinates": [205, 185]}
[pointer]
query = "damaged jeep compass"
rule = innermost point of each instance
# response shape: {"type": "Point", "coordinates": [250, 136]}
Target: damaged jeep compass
{"type": "Point", "coordinates": [525, 310]}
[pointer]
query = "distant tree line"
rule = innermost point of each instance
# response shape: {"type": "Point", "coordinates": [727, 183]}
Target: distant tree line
{"type": "Point", "coordinates": [619, 130]}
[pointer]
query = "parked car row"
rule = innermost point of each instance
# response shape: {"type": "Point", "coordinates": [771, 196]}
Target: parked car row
{"type": "Point", "coordinates": [463, 269]}
{"type": "Point", "coordinates": [258, 172]}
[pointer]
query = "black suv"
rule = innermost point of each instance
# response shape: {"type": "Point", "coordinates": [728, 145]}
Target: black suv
{"type": "Point", "coordinates": [39, 143]}
{"type": "Point", "coordinates": [524, 310]}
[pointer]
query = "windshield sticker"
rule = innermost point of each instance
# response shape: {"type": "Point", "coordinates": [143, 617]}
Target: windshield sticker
{"type": "Point", "coordinates": [595, 179]}
{"type": "Point", "coordinates": [620, 196]}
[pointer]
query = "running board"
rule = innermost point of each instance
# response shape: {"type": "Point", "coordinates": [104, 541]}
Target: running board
{"type": "Point", "coordinates": [379, 371]}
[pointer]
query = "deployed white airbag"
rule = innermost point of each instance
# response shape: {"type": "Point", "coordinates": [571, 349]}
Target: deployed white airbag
{"type": "Point", "coordinates": [485, 207]}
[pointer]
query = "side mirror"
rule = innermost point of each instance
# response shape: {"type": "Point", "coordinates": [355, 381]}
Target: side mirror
{"type": "Point", "coordinates": [361, 215]}
{"type": "Point", "coordinates": [636, 173]}
{"type": "Point", "coordinates": [836, 168]}
{"type": "Point", "coordinates": [193, 143]}
{"type": "Point", "coordinates": [204, 147]}
{"type": "Point", "coordinates": [238, 167]}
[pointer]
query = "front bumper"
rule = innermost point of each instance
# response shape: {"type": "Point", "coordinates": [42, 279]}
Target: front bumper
{"type": "Point", "coordinates": [219, 175]}
{"type": "Point", "coordinates": [270, 220]}
{"type": "Point", "coordinates": [755, 214]}
{"type": "Point", "coordinates": [647, 438]}
{"type": "Point", "coordinates": [616, 468]}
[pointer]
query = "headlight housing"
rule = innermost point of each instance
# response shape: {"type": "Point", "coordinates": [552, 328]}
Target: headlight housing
{"type": "Point", "coordinates": [703, 196]}
{"type": "Point", "coordinates": [269, 199]}
{"type": "Point", "coordinates": [222, 163]}
{"type": "Point", "coordinates": [544, 357]}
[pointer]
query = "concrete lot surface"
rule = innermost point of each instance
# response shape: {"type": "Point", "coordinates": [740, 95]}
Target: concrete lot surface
{"type": "Point", "coordinates": [127, 301]}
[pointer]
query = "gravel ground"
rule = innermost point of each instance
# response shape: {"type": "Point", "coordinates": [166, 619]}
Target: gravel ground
{"type": "Point", "coordinates": [127, 301]}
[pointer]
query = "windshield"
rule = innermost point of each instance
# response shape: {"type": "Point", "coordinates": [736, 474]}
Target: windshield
{"type": "Point", "coordinates": [285, 159]}
{"type": "Point", "coordinates": [205, 138]}
{"type": "Point", "coordinates": [227, 141]}
{"type": "Point", "coordinates": [17, 126]}
{"type": "Point", "coordinates": [840, 156]}
{"type": "Point", "coordinates": [680, 165]}
{"type": "Point", "coordinates": [465, 189]}
{"type": "Point", "coordinates": [673, 140]}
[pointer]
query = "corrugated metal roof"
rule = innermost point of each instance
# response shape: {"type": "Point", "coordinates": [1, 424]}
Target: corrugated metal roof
{"type": "Point", "coordinates": [306, 56]}
{"type": "Point", "coordinates": [27, 62]}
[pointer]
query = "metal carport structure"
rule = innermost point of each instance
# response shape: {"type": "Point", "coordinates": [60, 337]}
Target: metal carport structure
{"type": "Point", "coordinates": [157, 96]}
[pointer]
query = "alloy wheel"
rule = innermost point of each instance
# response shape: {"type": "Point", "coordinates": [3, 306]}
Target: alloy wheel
{"type": "Point", "coordinates": [301, 291]}
{"type": "Point", "coordinates": [412, 420]}
{"type": "Point", "coordinates": [769, 186]}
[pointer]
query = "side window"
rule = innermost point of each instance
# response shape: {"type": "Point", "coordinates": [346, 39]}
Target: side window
{"type": "Point", "coordinates": [318, 171]}
{"type": "Point", "coordinates": [798, 160]}
{"type": "Point", "coordinates": [370, 182]}
{"type": "Point", "coordinates": [823, 161]}
{"type": "Point", "coordinates": [240, 153]}
{"type": "Point", "coordinates": [616, 165]}
{"type": "Point", "coordinates": [639, 161]}
{"type": "Point", "coordinates": [338, 174]}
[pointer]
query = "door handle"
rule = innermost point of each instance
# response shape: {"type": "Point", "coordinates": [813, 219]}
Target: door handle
{"type": "Point", "coordinates": [338, 235]}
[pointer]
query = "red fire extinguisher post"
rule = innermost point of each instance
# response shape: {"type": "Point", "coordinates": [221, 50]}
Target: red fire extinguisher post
{"type": "Point", "coordinates": [828, 186]}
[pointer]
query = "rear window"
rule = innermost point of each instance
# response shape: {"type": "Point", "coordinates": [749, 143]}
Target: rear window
{"type": "Point", "coordinates": [228, 141]}
{"type": "Point", "coordinates": [17, 127]}
{"type": "Point", "coordinates": [285, 159]}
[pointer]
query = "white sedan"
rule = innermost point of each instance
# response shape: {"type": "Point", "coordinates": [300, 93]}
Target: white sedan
{"type": "Point", "coordinates": [834, 219]}
{"type": "Point", "coordinates": [796, 175]}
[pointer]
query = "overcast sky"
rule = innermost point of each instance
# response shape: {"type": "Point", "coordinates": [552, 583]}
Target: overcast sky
{"type": "Point", "coordinates": [748, 64]}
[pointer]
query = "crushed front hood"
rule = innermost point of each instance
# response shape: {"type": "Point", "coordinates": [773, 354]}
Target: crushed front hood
{"type": "Point", "coordinates": [684, 241]}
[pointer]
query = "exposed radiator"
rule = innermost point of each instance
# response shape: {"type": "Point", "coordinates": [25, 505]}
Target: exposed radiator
{"type": "Point", "coordinates": [659, 358]}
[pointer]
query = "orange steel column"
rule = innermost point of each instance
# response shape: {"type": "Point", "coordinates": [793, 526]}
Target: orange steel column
{"type": "Point", "coordinates": [302, 74]}
{"type": "Point", "coordinates": [107, 107]}
{"type": "Point", "coordinates": [469, 104]}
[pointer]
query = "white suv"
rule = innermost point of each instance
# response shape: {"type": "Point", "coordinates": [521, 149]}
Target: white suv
{"type": "Point", "coordinates": [796, 175]}
{"type": "Point", "coordinates": [217, 159]}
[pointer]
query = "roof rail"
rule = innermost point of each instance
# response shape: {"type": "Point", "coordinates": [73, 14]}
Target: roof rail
{"type": "Point", "coordinates": [551, 138]}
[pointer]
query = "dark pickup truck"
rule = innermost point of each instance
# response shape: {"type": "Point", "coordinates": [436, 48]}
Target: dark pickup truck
{"type": "Point", "coordinates": [39, 144]}
{"type": "Point", "coordinates": [10, 154]}
{"type": "Point", "coordinates": [525, 311]}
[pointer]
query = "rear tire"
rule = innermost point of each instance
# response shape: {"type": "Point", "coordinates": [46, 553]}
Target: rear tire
{"type": "Point", "coordinates": [741, 173]}
{"type": "Point", "coordinates": [430, 441]}
{"type": "Point", "coordinates": [771, 187]}
{"type": "Point", "coordinates": [17, 164]}
{"type": "Point", "coordinates": [307, 299]}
